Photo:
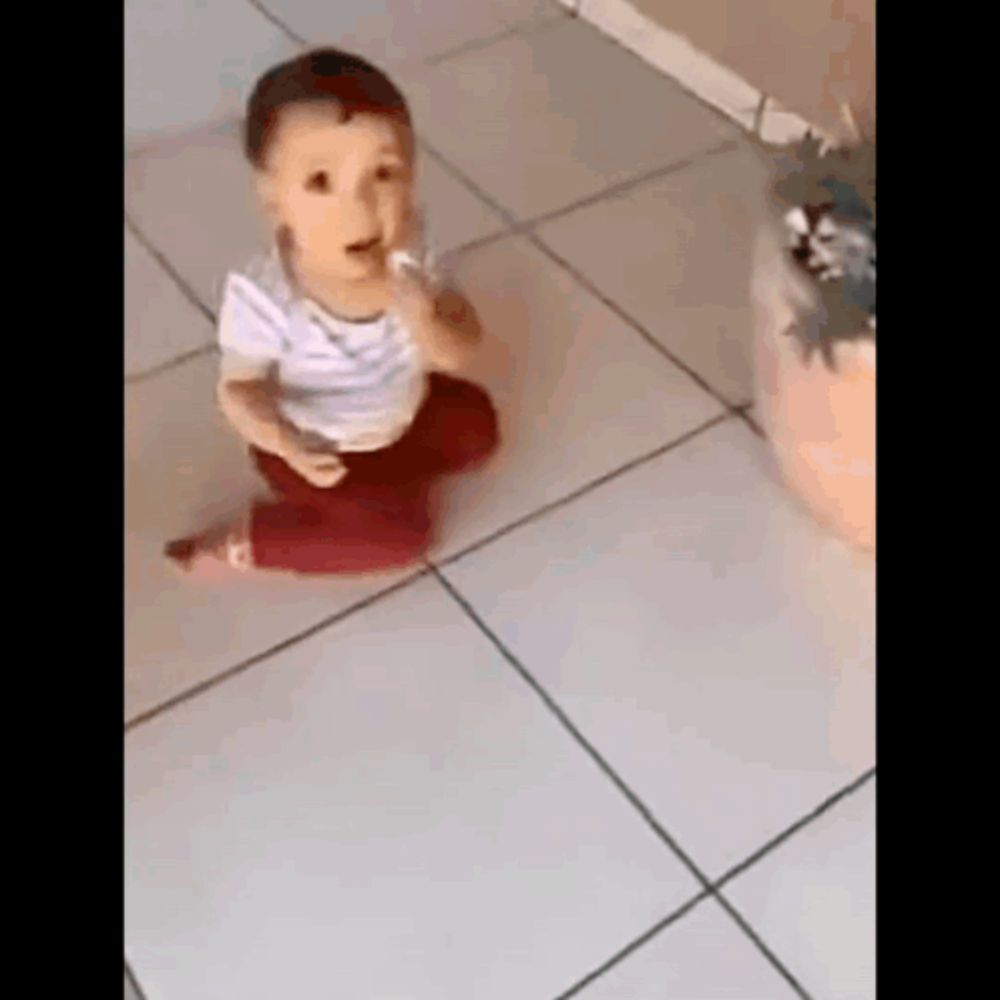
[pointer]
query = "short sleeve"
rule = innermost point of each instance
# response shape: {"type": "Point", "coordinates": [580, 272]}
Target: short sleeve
{"type": "Point", "coordinates": [252, 328]}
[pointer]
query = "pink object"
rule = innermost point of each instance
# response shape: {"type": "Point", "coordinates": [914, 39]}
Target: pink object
{"type": "Point", "coordinates": [820, 423]}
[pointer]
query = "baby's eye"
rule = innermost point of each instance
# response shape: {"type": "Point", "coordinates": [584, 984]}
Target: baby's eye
{"type": "Point", "coordinates": [385, 173]}
{"type": "Point", "coordinates": [319, 182]}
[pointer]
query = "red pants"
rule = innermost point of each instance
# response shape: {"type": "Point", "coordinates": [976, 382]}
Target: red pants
{"type": "Point", "coordinates": [379, 515]}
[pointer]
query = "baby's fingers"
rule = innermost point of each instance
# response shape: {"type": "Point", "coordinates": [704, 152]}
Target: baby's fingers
{"type": "Point", "coordinates": [329, 469]}
{"type": "Point", "coordinates": [327, 473]}
{"type": "Point", "coordinates": [327, 479]}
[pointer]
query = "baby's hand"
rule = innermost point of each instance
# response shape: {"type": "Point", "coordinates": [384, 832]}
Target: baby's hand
{"type": "Point", "coordinates": [413, 289]}
{"type": "Point", "coordinates": [322, 469]}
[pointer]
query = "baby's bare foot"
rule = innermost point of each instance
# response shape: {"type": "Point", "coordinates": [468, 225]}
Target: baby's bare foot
{"type": "Point", "coordinates": [214, 554]}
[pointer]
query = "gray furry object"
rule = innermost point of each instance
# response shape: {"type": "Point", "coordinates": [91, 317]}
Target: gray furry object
{"type": "Point", "coordinates": [824, 203]}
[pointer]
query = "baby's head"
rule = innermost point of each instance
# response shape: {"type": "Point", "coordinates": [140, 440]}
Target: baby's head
{"type": "Point", "coordinates": [330, 139]}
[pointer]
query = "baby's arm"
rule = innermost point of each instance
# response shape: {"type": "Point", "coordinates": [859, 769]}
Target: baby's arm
{"type": "Point", "coordinates": [251, 332]}
{"type": "Point", "coordinates": [250, 406]}
{"type": "Point", "coordinates": [251, 409]}
{"type": "Point", "coordinates": [442, 321]}
{"type": "Point", "coordinates": [458, 322]}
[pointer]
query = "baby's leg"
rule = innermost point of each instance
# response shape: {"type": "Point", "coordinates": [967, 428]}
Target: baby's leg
{"type": "Point", "coordinates": [377, 518]}
{"type": "Point", "coordinates": [353, 535]}
{"type": "Point", "coordinates": [374, 519]}
{"type": "Point", "coordinates": [213, 553]}
{"type": "Point", "coordinates": [456, 429]}
{"type": "Point", "coordinates": [380, 514]}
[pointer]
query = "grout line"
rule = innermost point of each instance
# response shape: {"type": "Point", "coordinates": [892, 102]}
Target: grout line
{"type": "Point", "coordinates": [148, 373]}
{"type": "Point", "coordinates": [277, 22]}
{"type": "Point", "coordinates": [479, 242]}
{"type": "Point", "coordinates": [517, 227]}
{"type": "Point", "coordinates": [467, 182]}
{"type": "Point", "coordinates": [747, 417]}
{"type": "Point", "coordinates": [160, 259]}
{"type": "Point", "coordinates": [157, 142]}
{"type": "Point", "coordinates": [593, 484]}
{"type": "Point", "coordinates": [620, 187]}
{"type": "Point", "coordinates": [758, 941]}
{"type": "Point", "coordinates": [758, 117]}
{"type": "Point", "coordinates": [589, 285]}
{"type": "Point", "coordinates": [641, 808]}
{"type": "Point", "coordinates": [716, 886]}
{"type": "Point", "coordinates": [790, 831]}
{"type": "Point", "coordinates": [623, 187]}
{"type": "Point", "coordinates": [473, 45]}
{"type": "Point", "coordinates": [133, 982]}
{"type": "Point", "coordinates": [568, 724]}
{"type": "Point", "coordinates": [280, 647]}
{"type": "Point", "coordinates": [634, 945]}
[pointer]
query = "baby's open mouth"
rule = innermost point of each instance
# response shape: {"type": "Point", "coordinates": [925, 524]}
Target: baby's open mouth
{"type": "Point", "coordinates": [365, 246]}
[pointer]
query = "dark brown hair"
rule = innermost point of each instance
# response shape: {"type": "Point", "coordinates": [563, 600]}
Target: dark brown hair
{"type": "Point", "coordinates": [323, 76]}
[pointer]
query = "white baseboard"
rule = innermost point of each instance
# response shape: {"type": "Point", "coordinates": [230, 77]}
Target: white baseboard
{"type": "Point", "coordinates": [696, 72]}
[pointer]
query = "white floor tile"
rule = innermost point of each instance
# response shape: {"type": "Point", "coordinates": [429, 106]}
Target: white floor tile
{"type": "Point", "coordinates": [161, 323]}
{"type": "Point", "coordinates": [535, 122]}
{"type": "Point", "coordinates": [383, 810]}
{"type": "Point", "coordinates": [454, 214]}
{"type": "Point", "coordinates": [528, 12]}
{"type": "Point", "coordinates": [579, 393]}
{"type": "Point", "coordinates": [675, 254]}
{"type": "Point", "coordinates": [713, 643]}
{"type": "Point", "coordinates": [813, 900]}
{"type": "Point", "coordinates": [183, 471]}
{"type": "Point", "coordinates": [675, 56]}
{"type": "Point", "coordinates": [393, 33]}
{"type": "Point", "coordinates": [703, 956]}
{"type": "Point", "coordinates": [194, 199]}
{"type": "Point", "coordinates": [191, 63]}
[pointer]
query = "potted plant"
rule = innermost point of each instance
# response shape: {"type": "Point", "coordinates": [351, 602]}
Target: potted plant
{"type": "Point", "coordinates": [814, 328]}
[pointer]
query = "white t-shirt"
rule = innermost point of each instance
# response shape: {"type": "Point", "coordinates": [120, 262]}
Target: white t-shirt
{"type": "Point", "coordinates": [356, 385]}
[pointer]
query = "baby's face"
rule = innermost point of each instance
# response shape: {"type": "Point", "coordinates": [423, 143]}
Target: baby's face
{"type": "Point", "coordinates": [344, 188]}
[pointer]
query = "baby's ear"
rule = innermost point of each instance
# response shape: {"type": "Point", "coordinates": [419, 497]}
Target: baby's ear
{"type": "Point", "coordinates": [414, 224]}
{"type": "Point", "coordinates": [267, 196]}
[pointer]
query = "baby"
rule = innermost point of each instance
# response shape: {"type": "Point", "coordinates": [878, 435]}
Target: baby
{"type": "Point", "coordinates": [337, 350]}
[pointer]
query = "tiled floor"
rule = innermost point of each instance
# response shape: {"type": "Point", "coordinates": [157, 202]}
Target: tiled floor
{"type": "Point", "coordinates": [616, 741]}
